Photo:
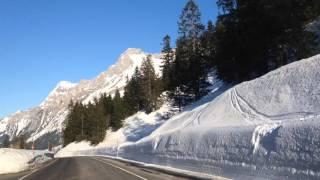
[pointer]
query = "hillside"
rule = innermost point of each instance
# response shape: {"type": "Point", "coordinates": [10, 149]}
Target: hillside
{"type": "Point", "coordinates": [264, 127]}
{"type": "Point", "coordinates": [43, 123]}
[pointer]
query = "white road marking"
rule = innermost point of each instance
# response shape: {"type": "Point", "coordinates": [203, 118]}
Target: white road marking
{"type": "Point", "coordinates": [129, 172]}
{"type": "Point", "coordinates": [25, 176]}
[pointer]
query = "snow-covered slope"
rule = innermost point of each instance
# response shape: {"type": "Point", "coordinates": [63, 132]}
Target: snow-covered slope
{"type": "Point", "coordinates": [134, 128]}
{"type": "Point", "coordinates": [44, 123]}
{"type": "Point", "coordinates": [267, 127]}
{"type": "Point", "coordinates": [271, 123]}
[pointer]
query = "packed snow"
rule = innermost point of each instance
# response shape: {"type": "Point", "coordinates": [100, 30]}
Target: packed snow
{"type": "Point", "coordinates": [267, 127]}
{"type": "Point", "coordinates": [16, 160]}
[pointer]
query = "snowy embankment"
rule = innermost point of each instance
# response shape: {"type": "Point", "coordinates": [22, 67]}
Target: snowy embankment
{"type": "Point", "coordinates": [135, 128]}
{"type": "Point", "coordinates": [16, 160]}
{"type": "Point", "coordinates": [268, 127]}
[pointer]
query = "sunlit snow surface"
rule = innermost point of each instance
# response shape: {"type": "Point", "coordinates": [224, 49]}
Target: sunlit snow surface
{"type": "Point", "coordinates": [16, 160]}
{"type": "Point", "coordinates": [267, 127]}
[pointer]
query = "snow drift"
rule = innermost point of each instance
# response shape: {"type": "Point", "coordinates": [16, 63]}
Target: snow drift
{"type": "Point", "coordinates": [16, 160]}
{"type": "Point", "coordinates": [267, 127]}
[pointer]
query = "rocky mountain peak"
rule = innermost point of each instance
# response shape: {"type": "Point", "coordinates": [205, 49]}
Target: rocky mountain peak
{"type": "Point", "coordinates": [62, 88]}
{"type": "Point", "coordinates": [44, 123]}
{"type": "Point", "coordinates": [133, 51]}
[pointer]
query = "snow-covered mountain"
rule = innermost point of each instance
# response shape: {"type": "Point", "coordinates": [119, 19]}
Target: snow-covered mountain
{"type": "Point", "coordinates": [44, 122]}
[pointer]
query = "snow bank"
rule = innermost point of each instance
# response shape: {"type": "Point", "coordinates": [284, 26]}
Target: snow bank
{"type": "Point", "coordinates": [16, 160]}
{"type": "Point", "coordinates": [270, 124]}
{"type": "Point", "coordinates": [74, 149]}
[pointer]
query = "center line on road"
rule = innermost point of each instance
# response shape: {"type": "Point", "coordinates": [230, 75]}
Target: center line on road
{"type": "Point", "coordinates": [121, 169]}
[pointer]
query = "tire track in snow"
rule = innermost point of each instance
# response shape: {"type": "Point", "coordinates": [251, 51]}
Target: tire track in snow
{"type": "Point", "coordinates": [251, 114]}
{"type": "Point", "coordinates": [266, 125]}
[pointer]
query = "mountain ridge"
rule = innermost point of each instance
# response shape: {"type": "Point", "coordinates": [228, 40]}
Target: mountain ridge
{"type": "Point", "coordinates": [44, 123]}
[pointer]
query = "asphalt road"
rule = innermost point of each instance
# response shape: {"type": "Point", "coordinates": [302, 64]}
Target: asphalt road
{"type": "Point", "coordinates": [91, 168]}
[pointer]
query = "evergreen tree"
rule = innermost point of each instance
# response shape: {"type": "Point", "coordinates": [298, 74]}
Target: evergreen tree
{"type": "Point", "coordinates": [117, 114]}
{"type": "Point", "coordinates": [99, 120]}
{"type": "Point", "coordinates": [81, 121]}
{"type": "Point", "coordinates": [22, 142]}
{"type": "Point", "coordinates": [168, 57]}
{"type": "Point", "coordinates": [133, 93]}
{"type": "Point", "coordinates": [254, 37]}
{"type": "Point", "coordinates": [70, 130]}
{"type": "Point", "coordinates": [6, 141]}
{"type": "Point", "coordinates": [190, 26]}
{"type": "Point", "coordinates": [150, 85]}
{"type": "Point", "coordinates": [107, 105]}
{"type": "Point", "coordinates": [208, 45]}
{"type": "Point", "coordinates": [189, 65]}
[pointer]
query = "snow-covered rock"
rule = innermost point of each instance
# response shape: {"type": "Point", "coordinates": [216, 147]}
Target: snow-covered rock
{"type": "Point", "coordinates": [44, 122]}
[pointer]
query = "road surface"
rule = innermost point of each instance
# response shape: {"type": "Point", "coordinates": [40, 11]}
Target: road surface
{"type": "Point", "coordinates": [91, 168]}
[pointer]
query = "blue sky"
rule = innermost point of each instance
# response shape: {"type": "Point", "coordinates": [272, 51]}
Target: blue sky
{"type": "Point", "coordinates": [45, 41]}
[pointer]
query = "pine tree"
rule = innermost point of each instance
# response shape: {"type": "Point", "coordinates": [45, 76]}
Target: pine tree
{"type": "Point", "coordinates": [208, 45]}
{"type": "Point", "coordinates": [107, 105]}
{"type": "Point", "coordinates": [117, 114]}
{"type": "Point", "coordinates": [71, 129]}
{"type": "Point", "coordinates": [81, 121]}
{"type": "Point", "coordinates": [190, 26]}
{"type": "Point", "coordinates": [150, 87]}
{"type": "Point", "coordinates": [189, 64]}
{"type": "Point", "coordinates": [254, 37]}
{"type": "Point", "coordinates": [99, 120]}
{"type": "Point", "coordinates": [6, 141]}
{"type": "Point", "coordinates": [21, 142]}
{"type": "Point", "coordinates": [168, 57]}
{"type": "Point", "coordinates": [133, 93]}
